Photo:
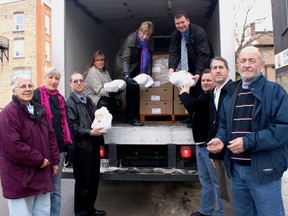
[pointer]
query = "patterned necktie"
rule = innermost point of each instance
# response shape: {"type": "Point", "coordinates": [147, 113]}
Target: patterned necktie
{"type": "Point", "coordinates": [184, 58]}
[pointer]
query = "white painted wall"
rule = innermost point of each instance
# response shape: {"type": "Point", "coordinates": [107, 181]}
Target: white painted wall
{"type": "Point", "coordinates": [227, 34]}
{"type": "Point", "coordinates": [75, 37]}
{"type": "Point", "coordinates": [83, 36]}
{"type": "Point", "coordinates": [220, 30]}
{"type": "Point", "coordinates": [58, 35]}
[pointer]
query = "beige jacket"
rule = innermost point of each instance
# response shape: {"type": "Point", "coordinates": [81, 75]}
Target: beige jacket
{"type": "Point", "coordinates": [95, 80]}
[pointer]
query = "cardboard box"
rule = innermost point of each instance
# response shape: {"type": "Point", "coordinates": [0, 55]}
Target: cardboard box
{"type": "Point", "coordinates": [160, 70]}
{"type": "Point", "coordinates": [161, 84]}
{"type": "Point", "coordinates": [178, 108]}
{"type": "Point", "coordinates": [157, 94]}
{"type": "Point", "coordinates": [176, 93]}
{"type": "Point", "coordinates": [157, 108]}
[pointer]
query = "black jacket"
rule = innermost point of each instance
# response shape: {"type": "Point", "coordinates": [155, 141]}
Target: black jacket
{"type": "Point", "coordinates": [80, 124]}
{"type": "Point", "coordinates": [197, 47]}
{"type": "Point", "coordinates": [128, 58]}
{"type": "Point", "coordinates": [199, 109]}
{"type": "Point", "coordinates": [214, 120]}
{"type": "Point", "coordinates": [57, 116]}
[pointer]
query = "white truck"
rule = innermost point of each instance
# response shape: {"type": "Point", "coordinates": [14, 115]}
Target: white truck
{"type": "Point", "coordinates": [80, 27]}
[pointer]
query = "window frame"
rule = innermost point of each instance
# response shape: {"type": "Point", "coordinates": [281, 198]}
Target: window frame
{"type": "Point", "coordinates": [19, 46]}
{"type": "Point", "coordinates": [18, 25]}
{"type": "Point", "coordinates": [47, 51]}
{"type": "Point", "coordinates": [47, 24]}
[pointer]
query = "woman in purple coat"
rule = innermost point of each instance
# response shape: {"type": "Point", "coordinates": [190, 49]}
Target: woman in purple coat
{"type": "Point", "coordinates": [28, 152]}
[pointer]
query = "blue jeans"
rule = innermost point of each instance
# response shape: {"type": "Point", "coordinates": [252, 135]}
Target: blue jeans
{"type": "Point", "coordinates": [56, 194]}
{"type": "Point", "coordinates": [32, 205]}
{"type": "Point", "coordinates": [208, 179]}
{"type": "Point", "coordinates": [252, 198]}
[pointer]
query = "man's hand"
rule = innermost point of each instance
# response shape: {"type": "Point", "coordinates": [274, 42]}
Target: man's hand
{"type": "Point", "coordinates": [196, 77]}
{"type": "Point", "coordinates": [236, 145]}
{"type": "Point", "coordinates": [215, 145]}
{"type": "Point", "coordinates": [184, 88]}
{"type": "Point", "coordinates": [171, 70]}
{"type": "Point", "coordinates": [97, 132]}
{"type": "Point", "coordinates": [45, 163]}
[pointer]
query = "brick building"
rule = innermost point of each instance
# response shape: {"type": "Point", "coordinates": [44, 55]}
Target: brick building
{"type": "Point", "coordinates": [25, 42]}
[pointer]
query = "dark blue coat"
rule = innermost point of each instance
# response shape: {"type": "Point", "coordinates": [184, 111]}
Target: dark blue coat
{"type": "Point", "coordinates": [269, 140]}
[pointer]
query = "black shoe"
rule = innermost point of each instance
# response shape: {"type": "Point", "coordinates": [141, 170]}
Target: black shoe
{"type": "Point", "coordinates": [99, 213]}
{"type": "Point", "coordinates": [198, 214]}
{"type": "Point", "coordinates": [187, 120]}
{"type": "Point", "coordinates": [135, 122]}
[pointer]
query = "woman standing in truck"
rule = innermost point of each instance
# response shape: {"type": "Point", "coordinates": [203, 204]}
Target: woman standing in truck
{"type": "Point", "coordinates": [95, 78]}
{"type": "Point", "coordinates": [134, 58]}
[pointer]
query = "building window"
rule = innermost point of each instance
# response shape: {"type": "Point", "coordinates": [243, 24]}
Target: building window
{"type": "Point", "coordinates": [19, 48]}
{"type": "Point", "coordinates": [19, 22]}
{"type": "Point", "coordinates": [47, 51]}
{"type": "Point", "coordinates": [47, 24]}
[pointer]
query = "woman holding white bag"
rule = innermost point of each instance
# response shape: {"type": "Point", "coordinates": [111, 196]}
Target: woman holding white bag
{"type": "Point", "coordinates": [134, 58]}
{"type": "Point", "coordinates": [95, 78]}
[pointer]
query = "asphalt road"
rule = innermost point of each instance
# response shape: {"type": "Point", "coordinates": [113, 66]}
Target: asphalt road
{"type": "Point", "coordinates": [141, 198]}
{"type": "Point", "coordinates": [134, 198]}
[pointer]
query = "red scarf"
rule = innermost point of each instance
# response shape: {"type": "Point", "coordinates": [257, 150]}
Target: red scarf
{"type": "Point", "coordinates": [45, 97]}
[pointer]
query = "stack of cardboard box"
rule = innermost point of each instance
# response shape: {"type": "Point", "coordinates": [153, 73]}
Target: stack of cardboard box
{"type": "Point", "coordinates": [162, 98]}
{"type": "Point", "coordinates": [178, 106]}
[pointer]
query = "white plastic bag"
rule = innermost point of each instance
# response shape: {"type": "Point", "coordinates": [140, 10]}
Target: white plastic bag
{"type": "Point", "coordinates": [103, 119]}
{"type": "Point", "coordinates": [144, 80]}
{"type": "Point", "coordinates": [115, 85]}
{"type": "Point", "coordinates": [181, 78]}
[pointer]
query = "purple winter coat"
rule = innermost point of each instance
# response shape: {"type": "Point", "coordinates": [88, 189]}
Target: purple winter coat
{"type": "Point", "coordinates": [25, 140]}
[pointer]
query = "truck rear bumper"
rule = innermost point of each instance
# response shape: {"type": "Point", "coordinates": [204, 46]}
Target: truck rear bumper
{"type": "Point", "coordinates": [141, 174]}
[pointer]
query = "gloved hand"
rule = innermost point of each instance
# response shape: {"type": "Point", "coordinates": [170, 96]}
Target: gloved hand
{"type": "Point", "coordinates": [130, 81]}
{"type": "Point", "coordinates": [112, 94]}
{"type": "Point", "coordinates": [69, 158]}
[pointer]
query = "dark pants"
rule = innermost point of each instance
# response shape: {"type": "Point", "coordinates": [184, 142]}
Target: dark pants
{"type": "Point", "coordinates": [86, 173]}
{"type": "Point", "coordinates": [132, 102]}
{"type": "Point", "coordinates": [111, 103]}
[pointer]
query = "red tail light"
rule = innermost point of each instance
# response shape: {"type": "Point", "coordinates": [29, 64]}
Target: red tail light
{"type": "Point", "coordinates": [102, 151]}
{"type": "Point", "coordinates": [185, 151]}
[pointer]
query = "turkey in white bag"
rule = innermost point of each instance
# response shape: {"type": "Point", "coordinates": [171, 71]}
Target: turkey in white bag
{"type": "Point", "coordinates": [144, 80]}
{"type": "Point", "coordinates": [181, 78]}
{"type": "Point", "coordinates": [103, 119]}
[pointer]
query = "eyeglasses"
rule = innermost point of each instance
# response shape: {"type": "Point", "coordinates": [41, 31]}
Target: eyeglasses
{"type": "Point", "coordinates": [78, 81]}
{"type": "Point", "coordinates": [24, 87]}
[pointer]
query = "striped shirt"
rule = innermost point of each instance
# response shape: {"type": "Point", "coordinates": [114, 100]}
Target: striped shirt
{"type": "Point", "coordinates": [242, 123]}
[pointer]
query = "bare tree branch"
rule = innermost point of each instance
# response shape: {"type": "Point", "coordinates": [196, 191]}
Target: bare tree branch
{"type": "Point", "coordinates": [247, 35]}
